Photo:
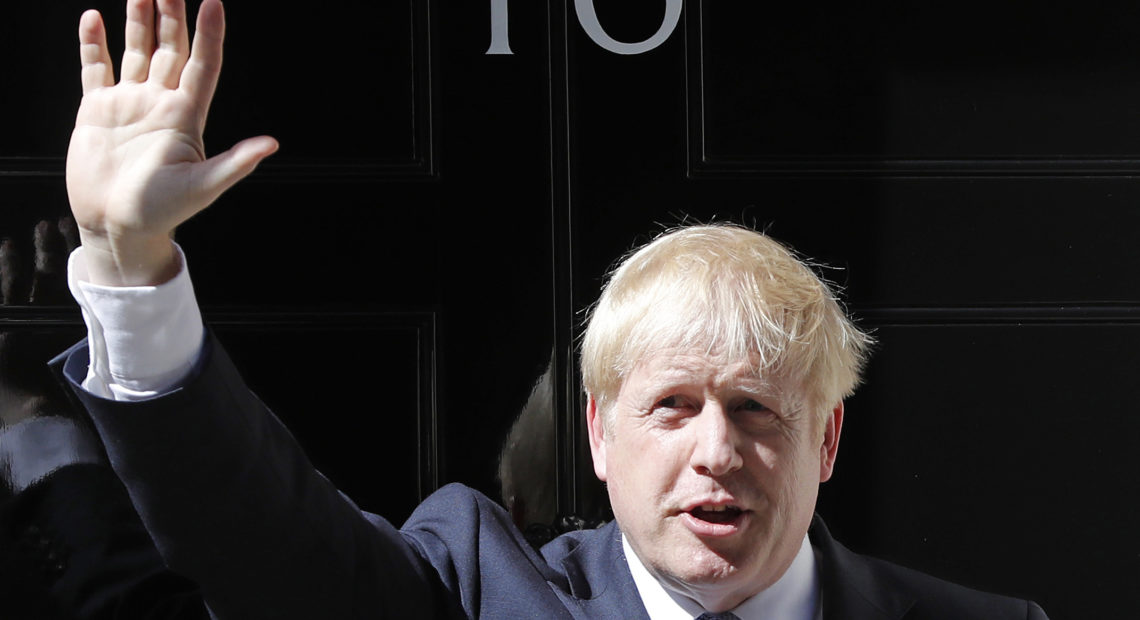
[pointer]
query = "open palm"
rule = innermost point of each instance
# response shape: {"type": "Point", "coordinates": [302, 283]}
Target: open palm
{"type": "Point", "coordinates": [136, 166]}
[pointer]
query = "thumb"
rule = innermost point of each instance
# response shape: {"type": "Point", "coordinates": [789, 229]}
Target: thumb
{"type": "Point", "coordinates": [222, 171]}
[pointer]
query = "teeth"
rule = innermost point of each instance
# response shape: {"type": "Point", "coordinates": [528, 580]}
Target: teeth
{"type": "Point", "coordinates": [711, 508]}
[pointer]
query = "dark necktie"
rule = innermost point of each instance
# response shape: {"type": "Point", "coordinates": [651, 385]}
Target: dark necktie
{"type": "Point", "coordinates": [724, 615]}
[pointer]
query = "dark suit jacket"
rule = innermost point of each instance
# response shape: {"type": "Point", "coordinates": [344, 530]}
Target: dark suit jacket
{"type": "Point", "coordinates": [234, 504]}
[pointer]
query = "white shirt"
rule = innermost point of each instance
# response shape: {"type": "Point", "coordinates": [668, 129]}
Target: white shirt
{"type": "Point", "coordinates": [143, 340]}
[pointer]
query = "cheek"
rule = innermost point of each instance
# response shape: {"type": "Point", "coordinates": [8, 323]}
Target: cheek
{"type": "Point", "coordinates": [802, 472]}
{"type": "Point", "coordinates": [783, 467]}
{"type": "Point", "coordinates": [644, 469]}
{"type": "Point", "coordinates": [768, 457]}
{"type": "Point", "coordinates": [633, 496]}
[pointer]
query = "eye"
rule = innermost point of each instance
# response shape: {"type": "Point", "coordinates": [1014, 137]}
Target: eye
{"type": "Point", "coordinates": [675, 405]}
{"type": "Point", "coordinates": [753, 416]}
{"type": "Point", "coordinates": [752, 405]}
{"type": "Point", "coordinates": [669, 402]}
{"type": "Point", "coordinates": [671, 411]}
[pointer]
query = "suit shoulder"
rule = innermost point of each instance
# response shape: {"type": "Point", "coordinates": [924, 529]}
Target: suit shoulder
{"type": "Point", "coordinates": [852, 581]}
{"type": "Point", "coordinates": [457, 505]}
{"type": "Point", "coordinates": [937, 598]}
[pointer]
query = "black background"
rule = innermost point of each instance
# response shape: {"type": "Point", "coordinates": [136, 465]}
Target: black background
{"type": "Point", "coordinates": [438, 219]}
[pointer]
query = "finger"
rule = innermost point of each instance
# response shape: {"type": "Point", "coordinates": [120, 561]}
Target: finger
{"type": "Point", "coordinates": [173, 43]}
{"type": "Point", "coordinates": [219, 173]}
{"type": "Point", "coordinates": [200, 77]}
{"type": "Point", "coordinates": [94, 58]}
{"type": "Point", "coordinates": [139, 40]}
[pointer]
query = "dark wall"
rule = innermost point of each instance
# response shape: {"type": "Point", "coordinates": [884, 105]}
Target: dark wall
{"type": "Point", "coordinates": [439, 217]}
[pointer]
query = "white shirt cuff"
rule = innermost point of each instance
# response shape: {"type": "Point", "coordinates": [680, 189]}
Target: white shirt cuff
{"type": "Point", "coordinates": [143, 340]}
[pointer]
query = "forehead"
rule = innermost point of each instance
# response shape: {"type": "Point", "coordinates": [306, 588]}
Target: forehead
{"type": "Point", "coordinates": [673, 368]}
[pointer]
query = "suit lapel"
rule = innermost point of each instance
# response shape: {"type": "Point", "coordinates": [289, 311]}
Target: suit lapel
{"type": "Point", "coordinates": [852, 590]}
{"type": "Point", "coordinates": [601, 585]}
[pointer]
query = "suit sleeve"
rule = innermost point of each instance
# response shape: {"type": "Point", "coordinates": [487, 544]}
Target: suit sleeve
{"type": "Point", "coordinates": [232, 503]}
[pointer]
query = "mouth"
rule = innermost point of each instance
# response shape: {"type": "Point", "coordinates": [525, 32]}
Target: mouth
{"type": "Point", "coordinates": [716, 514]}
{"type": "Point", "coordinates": [715, 520]}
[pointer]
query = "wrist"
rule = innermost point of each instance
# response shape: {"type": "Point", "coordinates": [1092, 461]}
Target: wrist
{"type": "Point", "coordinates": [138, 262]}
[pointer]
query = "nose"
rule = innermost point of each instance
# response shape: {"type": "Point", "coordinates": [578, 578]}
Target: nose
{"type": "Point", "coordinates": [714, 439]}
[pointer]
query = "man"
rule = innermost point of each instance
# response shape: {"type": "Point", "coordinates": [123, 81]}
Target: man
{"type": "Point", "coordinates": [715, 363]}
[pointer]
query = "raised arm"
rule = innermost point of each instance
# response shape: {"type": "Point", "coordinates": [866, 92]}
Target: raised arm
{"type": "Point", "coordinates": [227, 495]}
{"type": "Point", "coordinates": [137, 165]}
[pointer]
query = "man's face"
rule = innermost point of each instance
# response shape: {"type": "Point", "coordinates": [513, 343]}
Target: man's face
{"type": "Point", "coordinates": [712, 472]}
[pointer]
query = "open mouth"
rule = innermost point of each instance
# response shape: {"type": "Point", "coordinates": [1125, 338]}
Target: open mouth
{"type": "Point", "coordinates": [716, 514]}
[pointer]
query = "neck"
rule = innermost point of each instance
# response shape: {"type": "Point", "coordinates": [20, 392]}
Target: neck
{"type": "Point", "coordinates": [794, 594]}
{"type": "Point", "coordinates": [713, 597]}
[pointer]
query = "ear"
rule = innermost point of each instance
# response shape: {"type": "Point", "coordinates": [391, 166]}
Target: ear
{"type": "Point", "coordinates": [597, 431]}
{"type": "Point", "coordinates": [830, 445]}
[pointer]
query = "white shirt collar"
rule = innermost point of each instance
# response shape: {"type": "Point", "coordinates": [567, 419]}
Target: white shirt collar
{"type": "Point", "coordinates": [794, 596]}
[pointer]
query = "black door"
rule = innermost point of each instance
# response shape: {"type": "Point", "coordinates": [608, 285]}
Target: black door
{"type": "Point", "coordinates": [456, 177]}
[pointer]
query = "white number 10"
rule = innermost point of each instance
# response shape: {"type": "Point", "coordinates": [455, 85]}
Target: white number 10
{"type": "Point", "coordinates": [588, 18]}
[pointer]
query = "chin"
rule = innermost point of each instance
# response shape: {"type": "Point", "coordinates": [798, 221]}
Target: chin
{"type": "Point", "coordinates": [713, 582]}
{"type": "Point", "coordinates": [704, 567]}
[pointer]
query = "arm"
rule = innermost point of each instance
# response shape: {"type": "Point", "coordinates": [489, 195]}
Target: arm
{"type": "Point", "coordinates": [227, 495]}
{"type": "Point", "coordinates": [233, 503]}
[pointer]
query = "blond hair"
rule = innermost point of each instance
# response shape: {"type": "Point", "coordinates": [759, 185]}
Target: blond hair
{"type": "Point", "coordinates": [729, 290]}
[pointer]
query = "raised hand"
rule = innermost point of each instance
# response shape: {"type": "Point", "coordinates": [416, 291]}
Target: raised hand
{"type": "Point", "coordinates": [137, 166]}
